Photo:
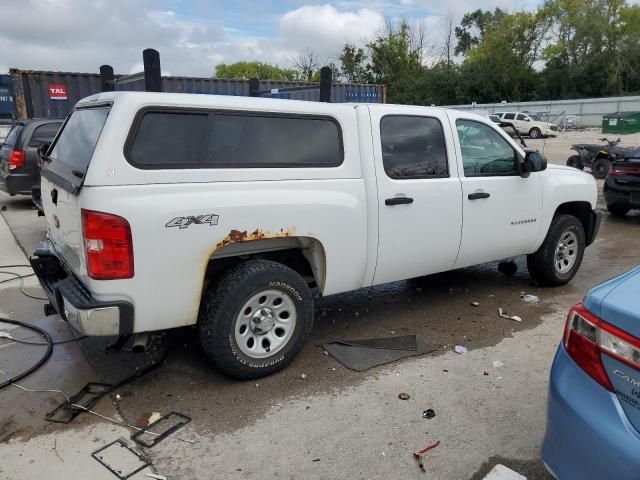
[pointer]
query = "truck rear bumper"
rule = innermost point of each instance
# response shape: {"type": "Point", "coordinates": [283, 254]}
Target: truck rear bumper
{"type": "Point", "coordinates": [73, 301]}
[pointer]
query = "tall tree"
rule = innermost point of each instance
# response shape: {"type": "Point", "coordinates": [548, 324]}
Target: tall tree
{"type": "Point", "coordinates": [307, 64]}
{"type": "Point", "coordinates": [354, 65]}
{"type": "Point", "coordinates": [595, 50]}
{"type": "Point", "coordinates": [474, 26]}
{"type": "Point", "coordinates": [247, 70]}
{"type": "Point", "coordinates": [396, 59]}
{"type": "Point", "coordinates": [501, 65]}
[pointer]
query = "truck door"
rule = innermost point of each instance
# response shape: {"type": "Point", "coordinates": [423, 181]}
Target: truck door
{"type": "Point", "coordinates": [501, 210]}
{"type": "Point", "coordinates": [419, 192]}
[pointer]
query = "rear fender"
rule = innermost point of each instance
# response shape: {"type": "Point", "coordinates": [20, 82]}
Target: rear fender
{"type": "Point", "coordinates": [311, 249]}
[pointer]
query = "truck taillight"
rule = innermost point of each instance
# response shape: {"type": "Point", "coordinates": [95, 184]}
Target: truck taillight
{"type": "Point", "coordinates": [587, 337]}
{"type": "Point", "coordinates": [16, 159]}
{"type": "Point", "coordinates": [108, 245]}
{"type": "Point", "coordinates": [618, 170]}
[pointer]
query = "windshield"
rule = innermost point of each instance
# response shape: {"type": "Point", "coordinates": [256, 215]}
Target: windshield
{"type": "Point", "coordinates": [78, 138]}
{"type": "Point", "coordinates": [535, 116]}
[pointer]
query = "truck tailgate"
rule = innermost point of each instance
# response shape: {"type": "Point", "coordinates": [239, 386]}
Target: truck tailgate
{"type": "Point", "coordinates": [63, 214]}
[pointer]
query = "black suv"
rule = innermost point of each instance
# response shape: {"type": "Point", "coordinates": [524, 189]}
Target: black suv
{"type": "Point", "coordinates": [622, 185]}
{"type": "Point", "coordinates": [19, 169]}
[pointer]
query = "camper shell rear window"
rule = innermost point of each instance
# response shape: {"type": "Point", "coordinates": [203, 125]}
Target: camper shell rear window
{"type": "Point", "coordinates": [69, 156]}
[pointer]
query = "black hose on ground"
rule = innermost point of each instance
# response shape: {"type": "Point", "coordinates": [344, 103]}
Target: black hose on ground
{"type": "Point", "coordinates": [41, 362]}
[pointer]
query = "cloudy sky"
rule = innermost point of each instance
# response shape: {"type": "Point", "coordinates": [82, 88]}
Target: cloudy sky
{"type": "Point", "coordinates": [193, 36]}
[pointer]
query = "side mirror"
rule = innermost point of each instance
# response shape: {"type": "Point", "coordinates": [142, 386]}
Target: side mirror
{"type": "Point", "coordinates": [43, 148]}
{"type": "Point", "coordinates": [534, 161]}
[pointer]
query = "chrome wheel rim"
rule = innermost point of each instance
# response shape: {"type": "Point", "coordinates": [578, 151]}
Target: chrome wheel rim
{"type": "Point", "coordinates": [566, 252]}
{"type": "Point", "coordinates": [265, 323]}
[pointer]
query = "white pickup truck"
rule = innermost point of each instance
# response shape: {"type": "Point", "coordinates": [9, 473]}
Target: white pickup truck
{"type": "Point", "coordinates": [166, 210]}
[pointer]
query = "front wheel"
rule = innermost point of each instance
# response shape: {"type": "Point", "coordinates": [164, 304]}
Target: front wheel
{"type": "Point", "coordinates": [575, 162]}
{"type": "Point", "coordinates": [256, 319]}
{"type": "Point", "coordinates": [600, 167]}
{"type": "Point", "coordinates": [535, 132]}
{"type": "Point", "coordinates": [560, 255]}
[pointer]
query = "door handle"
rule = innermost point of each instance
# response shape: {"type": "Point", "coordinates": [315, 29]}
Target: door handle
{"type": "Point", "coordinates": [398, 200]}
{"type": "Point", "coordinates": [478, 195]}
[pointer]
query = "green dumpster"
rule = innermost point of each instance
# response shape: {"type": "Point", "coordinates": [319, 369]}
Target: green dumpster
{"type": "Point", "coordinates": [621, 122]}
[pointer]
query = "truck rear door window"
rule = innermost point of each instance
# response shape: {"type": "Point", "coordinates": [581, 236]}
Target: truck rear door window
{"type": "Point", "coordinates": [413, 147]}
{"type": "Point", "coordinates": [174, 139]}
{"type": "Point", "coordinates": [77, 141]}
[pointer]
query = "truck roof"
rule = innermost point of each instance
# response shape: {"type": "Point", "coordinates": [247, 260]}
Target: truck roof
{"type": "Point", "coordinates": [231, 101]}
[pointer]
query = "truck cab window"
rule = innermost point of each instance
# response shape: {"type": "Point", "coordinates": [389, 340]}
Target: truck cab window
{"type": "Point", "coordinates": [413, 147]}
{"type": "Point", "coordinates": [484, 151]}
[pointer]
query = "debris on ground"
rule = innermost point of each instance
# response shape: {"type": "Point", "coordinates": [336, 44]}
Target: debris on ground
{"type": "Point", "coordinates": [475, 304]}
{"type": "Point", "coordinates": [303, 376]}
{"type": "Point", "coordinates": [459, 349]}
{"type": "Point", "coordinates": [515, 318]}
{"type": "Point", "coordinates": [497, 364]}
{"type": "Point", "coordinates": [156, 476]}
{"type": "Point", "coordinates": [429, 413]}
{"type": "Point", "coordinates": [508, 268]}
{"type": "Point", "coordinates": [155, 416]}
{"type": "Point", "coordinates": [419, 454]}
{"type": "Point", "coordinates": [500, 472]}
{"type": "Point", "coordinates": [121, 459]}
{"type": "Point", "coordinates": [404, 396]}
{"type": "Point", "coordinates": [361, 355]}
{"type": "Point", "coordinates": [160, 428]}
{"type": "Point", "coordinates": [486, 373]}
{"type": "Point", "coordinates": [529, 298]}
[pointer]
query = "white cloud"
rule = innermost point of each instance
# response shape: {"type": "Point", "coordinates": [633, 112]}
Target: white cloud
{"type": "Point", "coordinates": [324, 29]}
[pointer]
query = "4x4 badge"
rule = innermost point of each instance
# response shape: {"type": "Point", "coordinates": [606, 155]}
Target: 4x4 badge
{"type": "Point", "coordinates": [184, 222]}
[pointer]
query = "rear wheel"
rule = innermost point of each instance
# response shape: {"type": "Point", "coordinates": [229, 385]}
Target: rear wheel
{"type": "Point", "coordinates": [600, 167]}
{"type": "Point", "coordinates": [256, 319]}
{"type": "Point", "coordinates": [535, 132]}
{"type": "Point", "coordinates": [575, 162]}
{"type": "Point", "coordinates": [560, 255]}
{"type": "Point", "coordinates": [617, 210]}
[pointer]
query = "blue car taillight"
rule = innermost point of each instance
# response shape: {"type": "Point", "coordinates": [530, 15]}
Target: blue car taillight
{"type": "Point", "coordinates": [587, 336]}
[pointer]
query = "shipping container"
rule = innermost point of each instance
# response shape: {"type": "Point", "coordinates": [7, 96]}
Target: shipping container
{"type": "Point", "coordinates": [7, 102]}
{"type": "Point", "coordinates": [53, 94]}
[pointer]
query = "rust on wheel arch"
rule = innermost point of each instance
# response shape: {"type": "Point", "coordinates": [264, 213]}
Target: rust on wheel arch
{"type": "Point", "coordinates": [237, 236]}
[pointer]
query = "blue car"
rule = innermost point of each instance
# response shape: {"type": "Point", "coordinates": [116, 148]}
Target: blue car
{"type": "Point", "coordinates": [593, 421]}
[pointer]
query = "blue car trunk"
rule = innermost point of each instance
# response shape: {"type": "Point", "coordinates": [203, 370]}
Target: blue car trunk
{"type": "Point", "coordinates": [617, 302]}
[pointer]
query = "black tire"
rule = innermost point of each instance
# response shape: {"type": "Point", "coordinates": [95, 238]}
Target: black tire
{"type": "Point", "coordinates": [535, 133]}
{"type": "Point", "coordinates": [600, 167]}
{"type": "Point", "coordinates": [220, 310]}
{"type": "Point", "coordinates": [617, 210]}
{"type": "Point", "coordinates": [542, 264]}
{"type": "Point", "coordinates": [575, 162]}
